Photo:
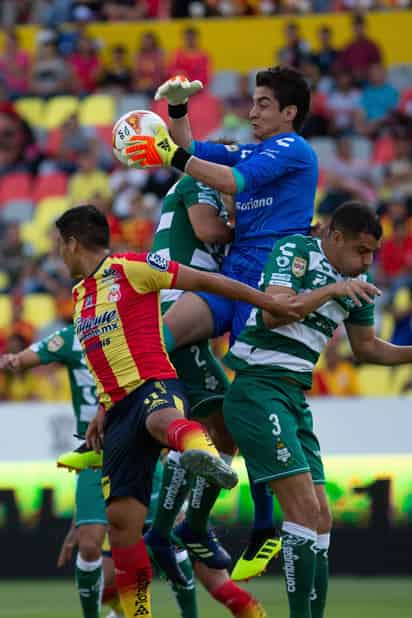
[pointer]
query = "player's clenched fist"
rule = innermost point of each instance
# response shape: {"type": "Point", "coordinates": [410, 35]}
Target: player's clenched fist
{"type": "Point", "coordinates": [150, 151]}
{"type": "Point", "coordinates": [177, 90]}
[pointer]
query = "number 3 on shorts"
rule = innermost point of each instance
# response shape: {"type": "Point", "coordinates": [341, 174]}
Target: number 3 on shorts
{"type": "Point", "coordinates": [274, 419]}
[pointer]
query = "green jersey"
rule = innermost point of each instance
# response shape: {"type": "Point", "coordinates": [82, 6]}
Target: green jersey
{"type": "Point", "coordinates": [175, 238]}
{"type": "Point", "coordinates": [63, 347]}
{"type": "Point", "coordinates": [296, 262]}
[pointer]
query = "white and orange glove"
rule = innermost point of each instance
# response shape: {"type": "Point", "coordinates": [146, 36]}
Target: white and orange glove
{"type": "Point", "coordinates": [150, 151]}
{"type": "Point", "coordinates": [177, 90]}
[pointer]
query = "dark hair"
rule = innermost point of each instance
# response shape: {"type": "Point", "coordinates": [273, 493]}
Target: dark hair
{"type": "Point", "coordinates": [354, 218]}
{"type": "Point", "coordinates": [87, 225]}
{"type": "Point", "coordinates": [289, 88]}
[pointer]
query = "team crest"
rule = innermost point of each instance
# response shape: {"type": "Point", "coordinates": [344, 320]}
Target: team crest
{"type": "Point", "coordinates": [283, 454]}
{"type": "Point", "coordinates": [55, 343]}
{"type": "Point", "coordinates": [114, 293]}
{"type": "Point", "coordinates": [299, 266]}
{"type": "Point", "coordinates": [157, 261]}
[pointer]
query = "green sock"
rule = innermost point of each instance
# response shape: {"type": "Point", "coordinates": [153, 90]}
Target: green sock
{"type": "Point", "coordinates": [173, 491]}
{"type": "Point", "coordinates": [186, 596]}
{"type": "Point", "coordinates": [298, 563]}
{"type": "Point", "coordinates": [203, 496]}
{"type": "Point", "coordinates": [320, 588]}
{"type": "Point", "coordinates": [89, 582]}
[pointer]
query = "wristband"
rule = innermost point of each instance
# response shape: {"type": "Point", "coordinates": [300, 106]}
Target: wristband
{"type": "Point", "coordinates": [177, 111]}
{"type": "Point", "coordinates": [180, 159]}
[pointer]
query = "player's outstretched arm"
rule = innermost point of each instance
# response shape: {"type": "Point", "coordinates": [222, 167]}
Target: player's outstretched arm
{"type": "Point", "coordinates": [17, 362]}
{"type": "Point", "coordinates": [144, 151]}
{"type": "Point", "coordinates": [176, 91]}
{"type": "Point", "coordinates": [189, 279]}
{"type": "Point", "coordinates": [304, 304]}
{"type": "Point", "coordinates": [368, 348]}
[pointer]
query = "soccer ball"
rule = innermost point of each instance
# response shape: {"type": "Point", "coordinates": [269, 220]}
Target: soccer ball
{"type": "Point", "coordinates": [138, 122]}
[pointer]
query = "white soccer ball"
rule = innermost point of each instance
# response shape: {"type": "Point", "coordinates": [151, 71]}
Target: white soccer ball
{"type": "Point", "coordinates": [137, 122]}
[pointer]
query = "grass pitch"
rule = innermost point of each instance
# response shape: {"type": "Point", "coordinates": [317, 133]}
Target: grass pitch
{"type": "Point", "coordinates": [349, 598]}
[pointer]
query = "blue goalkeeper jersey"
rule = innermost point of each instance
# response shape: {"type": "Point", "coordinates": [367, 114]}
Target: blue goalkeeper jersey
{"type": "Point", "coordinates": [276, 182]}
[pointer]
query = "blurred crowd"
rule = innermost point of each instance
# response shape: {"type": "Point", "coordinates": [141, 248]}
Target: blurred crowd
{"type": "Point", "coordinates": [360, 125]}
{"type": "Point", "coordinates": [54, 12]}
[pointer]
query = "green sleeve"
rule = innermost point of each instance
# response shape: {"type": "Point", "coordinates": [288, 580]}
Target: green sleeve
{"type": "Point", "coordinates": [57, 348]}
{"type": "Point", "coordinates": [194, 192]}
{"type": "Point", "coordinates": [364, 315]}
{"type": "Point", "coordinates": [287, 264]}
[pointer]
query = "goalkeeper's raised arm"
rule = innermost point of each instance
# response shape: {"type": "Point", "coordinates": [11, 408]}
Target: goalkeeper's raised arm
{"type": "Point", "coordinates": [176, 91]}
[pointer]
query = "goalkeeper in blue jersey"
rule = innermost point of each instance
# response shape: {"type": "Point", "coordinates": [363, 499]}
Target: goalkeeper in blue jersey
{"type": "Point", "coordinates": [274, 182]}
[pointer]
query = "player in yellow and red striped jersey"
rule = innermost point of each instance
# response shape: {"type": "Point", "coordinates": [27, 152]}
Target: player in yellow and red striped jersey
{"type": "Point", "coordinates": [118, 323]}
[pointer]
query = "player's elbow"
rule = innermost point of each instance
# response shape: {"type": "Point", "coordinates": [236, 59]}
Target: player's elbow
{"type": "Point", "coordinates": [206, 234]}
{"type": "Point", "coordinates": [362, 355]}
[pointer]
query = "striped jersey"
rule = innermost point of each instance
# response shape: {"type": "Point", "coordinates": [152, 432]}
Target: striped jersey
{"type": "Point", "coordinates": [175, 238]}
{"type": "Point", "coordinates": [118, 323]}
{"type": "Point", "coordinates": [63, 347]}
{"type": "Point", "coordinates": [296, 262]}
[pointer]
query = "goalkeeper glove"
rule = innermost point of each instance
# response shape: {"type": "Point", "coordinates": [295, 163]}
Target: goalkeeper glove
{"type": "Point", "coordinates": [155, 151]}
{"type": "Point", "coordinates": [177, 90]}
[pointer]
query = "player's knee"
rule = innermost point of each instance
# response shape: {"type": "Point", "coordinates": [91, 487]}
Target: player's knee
{"type": "Point", "coordinates": [305, 511]}
{"type": "Point", "coordinates": [89, 549]}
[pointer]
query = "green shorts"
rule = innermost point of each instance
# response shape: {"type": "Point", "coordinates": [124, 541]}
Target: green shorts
{"type": "Point", "coordinates": [203, 377]}
{"type": "Point", "coordinates": [271, 423]}
{"type": "Point", "coordinates": [90, 508]}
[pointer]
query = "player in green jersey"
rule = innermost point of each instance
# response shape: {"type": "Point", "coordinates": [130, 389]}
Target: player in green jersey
{"type": "Point", "coordinates": [193, 230]}
{"type": "Point", "coordinates": [265, 409]}
{"type": "Point", "coordinates": [89, 523]}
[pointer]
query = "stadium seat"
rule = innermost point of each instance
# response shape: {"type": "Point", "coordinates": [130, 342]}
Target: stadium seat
{"type": "Point", "coordinates": [5, 310]}
{"type": "Point", "coordinates": [37, 237]}
{"type": "Point", "coordinates": [324, 148]}
{"type": "Point", "coordinates": [105, 134]}
{"type": "Point", "coordinates": [15, 186]}
{"type": "Point", "coordinates": [129, 102]}
{"type": "Point", "coordinates": [386, 326]}
{"type": "Point", "coordinates": [50, 185]}
{"type": "Point", "coordinates": [17, 211]}
{"type": "Point", "coordinates": [401, 300]}
{"type": "Point", "coordinates": [49, 209]}
{"type": "Point", "coordinates": [224, 83]}
{"type": "Point", "coordinates": [39, 309]}
{"type": "Point", "coordinates": [375, 381]}
{"type": "Point", "coordinates": [400, 76]}
{"type": "Point", "coordinates": [206, 114]}
{"type": "Point", "coordinates": [362, 148]}
{"type": "Point", "coordinates": [32, 110]}
{"type": "Point", "coordinates": [97, 110]}
{"type": "Point", "coordinates": [58, 109]}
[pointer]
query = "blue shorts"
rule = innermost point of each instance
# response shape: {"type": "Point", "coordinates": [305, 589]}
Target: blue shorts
{"type": "Point", "coordinates": [130, 453]}
{"type": "Point", "coordinates": [230, 315]}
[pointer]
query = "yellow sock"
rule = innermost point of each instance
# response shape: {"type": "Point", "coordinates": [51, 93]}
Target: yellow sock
{"type": "Point", "coordinates": [136, 603]}
{"type": "Point", "coordinates": [253, 610]}
{"type": "Point", "coordinates": [184, 435]}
